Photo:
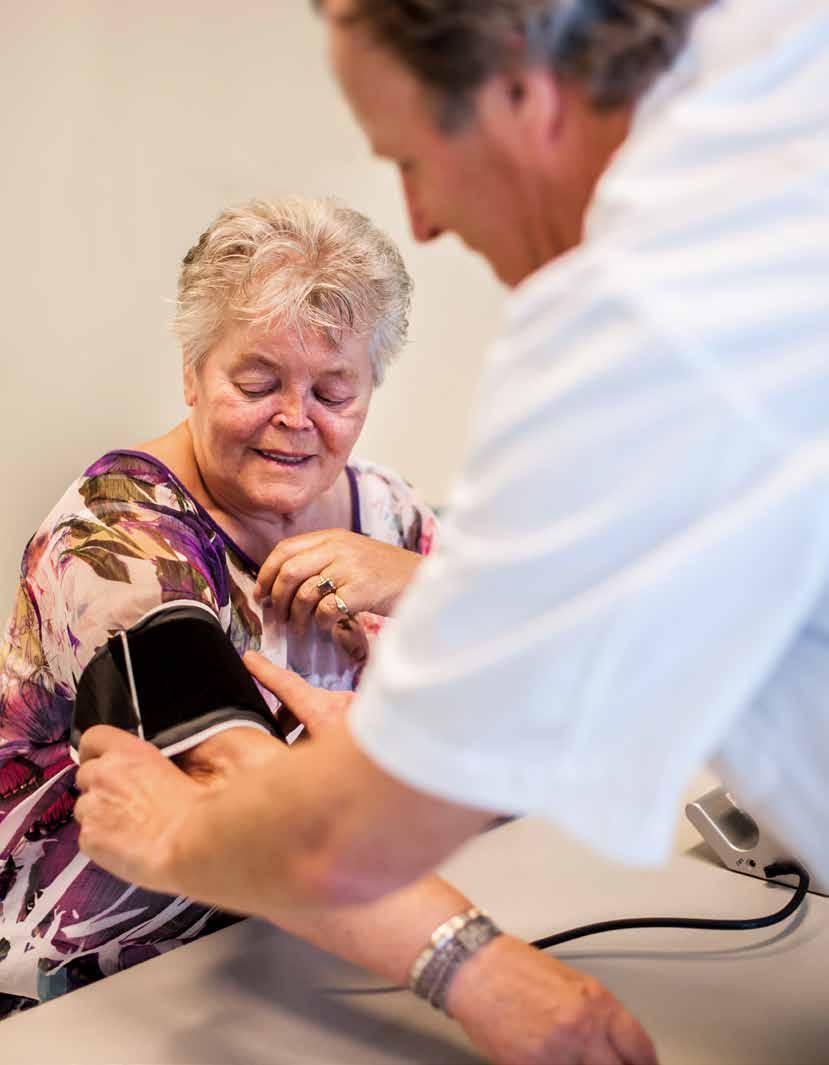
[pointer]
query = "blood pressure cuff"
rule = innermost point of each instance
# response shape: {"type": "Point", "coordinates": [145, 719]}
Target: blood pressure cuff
{"type": "Point", "coordinates": [174, 678]}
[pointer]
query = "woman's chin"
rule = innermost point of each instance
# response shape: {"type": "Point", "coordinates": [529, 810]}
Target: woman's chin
{"type": "Point", "coordinates": [287, 491]}
{"type": "Point", "coordinates": [285, 499]}
{"type": "Point", "coordinates": [286, 504]}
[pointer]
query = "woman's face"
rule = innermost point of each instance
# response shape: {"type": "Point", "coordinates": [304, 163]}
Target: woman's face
{"type": "Point", "coordinates": [274, 417]}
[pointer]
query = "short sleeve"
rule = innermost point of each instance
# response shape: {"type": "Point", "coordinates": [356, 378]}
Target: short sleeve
{"type": "Point", "coordinates": [391, 511]}
{"type": "Point", "coordinates": [122, 541]}
{"type": "Point", "coordinates": [630, 547]}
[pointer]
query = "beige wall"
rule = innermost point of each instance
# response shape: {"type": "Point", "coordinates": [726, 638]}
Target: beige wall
{"type": "Point", "coordinates": [125, 127]}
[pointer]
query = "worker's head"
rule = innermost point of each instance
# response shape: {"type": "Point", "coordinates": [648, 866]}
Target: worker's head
{"type": "Point", "coordinates": [501, 114]}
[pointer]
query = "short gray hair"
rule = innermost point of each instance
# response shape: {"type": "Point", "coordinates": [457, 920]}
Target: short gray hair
{"type": "Point", "coordinates": [615, 48]}
{"type": "Point", "coordinates": [297, 263]}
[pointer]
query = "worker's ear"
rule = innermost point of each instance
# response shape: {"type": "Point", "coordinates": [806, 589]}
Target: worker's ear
{"type": "Point", "coordinates": [520, 110]}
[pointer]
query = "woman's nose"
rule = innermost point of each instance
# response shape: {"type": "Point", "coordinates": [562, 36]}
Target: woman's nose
{"type": "Point", "coordinates": [291, 412]}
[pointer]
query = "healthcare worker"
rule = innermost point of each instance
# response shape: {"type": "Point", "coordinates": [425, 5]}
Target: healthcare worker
{"type": "Point", "coordinates": [635, 573]}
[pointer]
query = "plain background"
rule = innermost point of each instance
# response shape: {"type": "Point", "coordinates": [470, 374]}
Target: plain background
{"type": "Point", "coordinates": [125, 129]}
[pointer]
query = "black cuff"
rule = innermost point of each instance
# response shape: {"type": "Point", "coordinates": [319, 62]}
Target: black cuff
{"type": "Point", "coordinates": [174, 678]}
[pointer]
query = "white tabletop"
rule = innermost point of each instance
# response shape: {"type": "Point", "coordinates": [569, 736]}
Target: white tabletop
{"type": "Point", "coordinates": [251, 994]}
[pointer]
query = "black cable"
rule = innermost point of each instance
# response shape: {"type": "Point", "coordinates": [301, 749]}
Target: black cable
{"type": "Point", "coordinates": [776, 869]}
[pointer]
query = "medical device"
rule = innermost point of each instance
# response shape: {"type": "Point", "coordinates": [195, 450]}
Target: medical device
{"type": "Point", "coordinates": [173, 678]}
{"type": "Point", "coordinates": [740, 842]}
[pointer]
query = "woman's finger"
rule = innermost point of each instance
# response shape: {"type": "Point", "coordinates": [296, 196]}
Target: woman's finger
{"type": "Point", "coordinates": [350, 636]}
{"type": "Point", "coordinates": [268, 571]}
{"type": "Point", "coordinates": [294, 572]}
{"type": "Point", "coordinates": [342, 606]}
{"type": "Point", "coordinates": [307, 601]}
{"type": "Point", "coordinates": [285, 549]}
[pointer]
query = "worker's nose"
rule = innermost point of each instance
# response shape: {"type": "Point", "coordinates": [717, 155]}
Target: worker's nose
{"type": "Point", "coordinates": [423, 228]}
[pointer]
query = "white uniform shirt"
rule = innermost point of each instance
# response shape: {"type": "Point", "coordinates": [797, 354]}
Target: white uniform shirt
{"type": "Point", "coordinates": [635, 573]}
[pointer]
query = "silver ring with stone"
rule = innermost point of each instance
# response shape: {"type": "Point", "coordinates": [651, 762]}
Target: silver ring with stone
{"type": "Point", "coordinates": [342, 606]}
{"type": "Point", "coordinates": [325, 586]}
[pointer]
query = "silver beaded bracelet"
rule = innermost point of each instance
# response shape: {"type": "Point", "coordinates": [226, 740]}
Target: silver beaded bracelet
{"type": "Point", "coordinates": [450, 945]}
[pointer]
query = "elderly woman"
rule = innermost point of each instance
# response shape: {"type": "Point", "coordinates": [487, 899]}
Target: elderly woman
{"type": "Point", "coordinates": [288, 315]}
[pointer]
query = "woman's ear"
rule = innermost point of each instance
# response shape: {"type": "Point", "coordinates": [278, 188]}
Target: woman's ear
{"type": "Point", "coordinates": [189, 375]}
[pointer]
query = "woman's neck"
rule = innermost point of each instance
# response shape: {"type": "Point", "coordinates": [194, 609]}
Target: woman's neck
{"type": "Point", "coordinates": [256, 535]}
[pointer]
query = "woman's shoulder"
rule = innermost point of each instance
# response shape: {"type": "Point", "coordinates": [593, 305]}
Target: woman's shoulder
{"type": "Point", "coordinates": [124, 537]}
{"type": "Point", "coordinates": [391, 509]}
{"type": "Point", "coordinates": [125, 476]}
{"type": "Point", "coordinates": [125, 505]}
{"type": "Point", "coordinates": [378, 483]}
{"type": "Point", "coordinates": [118, 479]}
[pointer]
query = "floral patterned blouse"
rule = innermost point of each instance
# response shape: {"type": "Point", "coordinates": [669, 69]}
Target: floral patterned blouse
{"type": "Point", "coordinates": [124, 538]}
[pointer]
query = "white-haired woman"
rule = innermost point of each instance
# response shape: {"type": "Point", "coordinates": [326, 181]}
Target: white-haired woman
{"type": "Point", "coordinates": [288, 314]}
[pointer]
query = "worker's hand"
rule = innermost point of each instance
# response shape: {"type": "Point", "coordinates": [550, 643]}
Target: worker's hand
{"type": "Point", "coordinates": [522, 1007]}
{"type": "Point", "coordinates": [217, 761]}
{"type": "Point", "coordinates": [135, 803]}
{"type": "Point", "coordinates": [366, 574]}
{"type": "Point", "coordinates": [315, 708]}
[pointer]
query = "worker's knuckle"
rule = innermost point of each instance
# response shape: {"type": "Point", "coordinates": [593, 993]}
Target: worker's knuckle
{"type": "Point", "coordinates": [89, 775]}
{"type": "Point", "coordinates": [596, 993]}
{"type": "Point", "coordinates": [574, 1030]}
{"type": "Point", "coordinates": [558, 1045]}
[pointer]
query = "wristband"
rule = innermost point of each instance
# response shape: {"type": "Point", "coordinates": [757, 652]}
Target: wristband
{"type": "Point", "coordinates": [450, 945]}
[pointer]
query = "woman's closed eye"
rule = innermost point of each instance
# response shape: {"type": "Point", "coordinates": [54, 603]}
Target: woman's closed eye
{"type": "Point", "coordinates": [331, 400]}
{"type": "Point", "coordinates": [260, 389]}
{"type": "Point", "coordinates": [256, 389]}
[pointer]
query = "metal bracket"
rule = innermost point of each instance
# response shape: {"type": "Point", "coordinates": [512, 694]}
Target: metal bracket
{"type": "Point", "coordinates": [739, 841]}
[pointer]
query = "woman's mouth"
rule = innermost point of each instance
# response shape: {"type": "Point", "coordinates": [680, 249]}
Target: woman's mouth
{"type": "Point", "coordinates": [284, 458]}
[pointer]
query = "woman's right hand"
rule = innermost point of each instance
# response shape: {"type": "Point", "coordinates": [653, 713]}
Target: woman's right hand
{"type": "Point", "coordinates": [365, 575]}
